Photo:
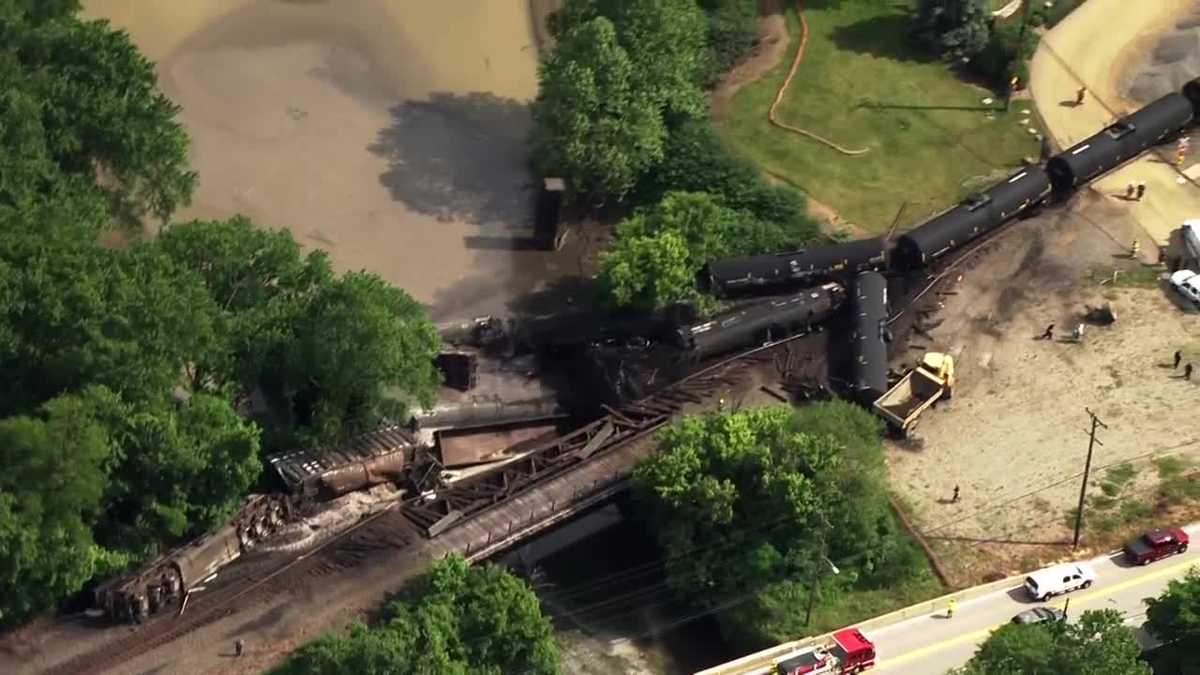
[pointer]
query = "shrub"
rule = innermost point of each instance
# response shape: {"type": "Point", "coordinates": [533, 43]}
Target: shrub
{"type": "Point", "coordinates": [695, 160]}
{"type": "Point", "coordinates": [732, 31]}
{"type": "Point", "coordinates": [1004, 55]}
{"type": "Point", "coordinates": [1051, 16]}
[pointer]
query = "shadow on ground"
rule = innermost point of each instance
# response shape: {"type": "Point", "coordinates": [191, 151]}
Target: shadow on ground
{"type": "Point", "coordinates": [459, 157]}
{"type": "Point", "coordinates": [887, 37]}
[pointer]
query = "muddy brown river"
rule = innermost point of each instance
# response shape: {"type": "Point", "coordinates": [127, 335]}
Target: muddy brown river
{"type": "Point", "coordinates": [390, 133]}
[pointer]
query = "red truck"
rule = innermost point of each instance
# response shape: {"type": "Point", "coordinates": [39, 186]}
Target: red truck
{"type": "Point", "coordinates": [1156, 545]}
{"type": "Point", "coordinates": [851, 652]}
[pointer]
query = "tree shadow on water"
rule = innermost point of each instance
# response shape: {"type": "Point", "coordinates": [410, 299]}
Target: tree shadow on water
{"type": "Point", "coordinates": [459, 157]}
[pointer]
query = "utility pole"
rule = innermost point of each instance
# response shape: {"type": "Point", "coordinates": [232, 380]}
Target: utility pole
{"type": "Point", "coordinates": [1087, 469]}
{"type": "Point", "coordinates": [812, 592]}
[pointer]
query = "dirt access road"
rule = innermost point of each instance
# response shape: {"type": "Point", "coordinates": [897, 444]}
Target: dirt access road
{"type": "Point", "coordinates": [391, 134]}
{"type": "Point", "coordinates": [1095, 46]}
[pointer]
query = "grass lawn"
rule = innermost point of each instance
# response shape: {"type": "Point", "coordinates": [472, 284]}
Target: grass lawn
{"type": "Point", "coordinates": [848, 608]}
{"type": "Point", "coordinates": [863, 84]}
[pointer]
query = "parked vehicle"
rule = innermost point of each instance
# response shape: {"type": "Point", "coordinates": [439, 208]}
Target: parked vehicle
{"type": "Point", "coordinates": [1187, 283]}
{"type": "Point", "coordinates": [1039, 614]}
{"type": "Point", "coordinates": [1059, 579]}
{"type": "Point", "coordinates": [931, 381]}
{"type": "Point", "coordinates": [850, 652]}
{"type": "Point", "coordinates": [1156, 545]}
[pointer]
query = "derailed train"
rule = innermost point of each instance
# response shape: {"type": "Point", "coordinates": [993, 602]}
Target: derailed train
{"type": "Point", "coordinates": [858, 264]}
{"type": "Point", "coordinates": [975, 216]}
{"type": "Point", "coordinates": [168, 580]}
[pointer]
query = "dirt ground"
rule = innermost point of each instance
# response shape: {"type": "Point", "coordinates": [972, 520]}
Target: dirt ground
{"type": "Point", "coordinates": [392, 135]}
{"type": "Point", "coordinates": [1018, 421]}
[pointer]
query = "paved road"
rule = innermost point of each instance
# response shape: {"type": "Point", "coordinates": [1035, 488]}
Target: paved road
{"type": "Point", "coordinates": [932, 644]}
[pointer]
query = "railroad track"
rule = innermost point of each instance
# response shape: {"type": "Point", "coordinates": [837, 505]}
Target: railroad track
{"type": "Point", "coordinates": [255, 580]}
{"type": "Point", "coordinates": [398, 528]}
{"type": "Point", "coordinates": [393, 529]}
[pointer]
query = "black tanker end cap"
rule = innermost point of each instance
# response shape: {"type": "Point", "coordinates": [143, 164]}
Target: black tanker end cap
{"type": "Point", "coordinates": [1191, 91]}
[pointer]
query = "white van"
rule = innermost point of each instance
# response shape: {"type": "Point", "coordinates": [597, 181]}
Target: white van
{"type": "Point", "coordinates": [1187, 284]}
{"type": "Point", "coordinates": [1059, 579]}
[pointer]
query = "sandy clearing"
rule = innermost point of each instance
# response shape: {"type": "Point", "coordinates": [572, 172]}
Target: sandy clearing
{"type": "Point", "coordinates": [1100, 64]}
{"type": "Point", "coordinates": [390, 134]}
{"type": "Point", "coordinates": [1018, 420]}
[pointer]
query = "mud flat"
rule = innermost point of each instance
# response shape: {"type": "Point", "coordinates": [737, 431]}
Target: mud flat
{"type": "Point", "coordinates": [391, 134]}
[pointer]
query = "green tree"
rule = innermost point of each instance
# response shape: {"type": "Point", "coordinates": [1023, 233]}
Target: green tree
{"type": "Point", "coordinates": [658, 251]}
{"type": "Point", "coordinates": [455, 620]}
{"type": "Point", "coordinates": [182, 469]}
{"type": "Point", "coordinates": [50, 493]}
{"type": "Point", "coordinates": [38, 11]}
{"type": "Point", "coordinates": [741, 500]}
{"type": "Point", "coordinates": [1174, 616]}
{"type": "Point", "coordinates": [592, 125]}
{"type": "Point", "coordinates": [78, 314]}
{"type": "Point", "coordinates": [95, 99]}
{"type": "Point", "coordinates": [732, 30]}
{"type": "Point", "coordinates": [363, 351]}
{"type": "Point", "coordinates": [666, 42]}
{"type": "Point", "coordinates": [695, 160]}
{"type": "Point", "coordinates": [1099, 642]}
{"type": "Point", "coordinates": [260, 282]}
{"type": "Point", "coordinates": [954, 29]}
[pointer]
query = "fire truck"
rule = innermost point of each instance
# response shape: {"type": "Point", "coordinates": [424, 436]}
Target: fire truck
{"type": "Point", "coordinates": [850, 652]}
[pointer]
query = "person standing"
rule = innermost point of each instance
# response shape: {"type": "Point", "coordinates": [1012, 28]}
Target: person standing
{"type": "Point", "coordinates": [950, 607]}
{"type": "Point", "coordinates": [1141, 190]}
{"type": "Point", "coordinates": [954, 499]}
{"type": "Point", "coordinates": [238, 647]}
{"type": "Point", "coordinates": [1130, 189]}
{"type": "Point", "coordinates": [1178, 358]}
{"type": "Point", "coordinates": [1079, 95]}
{"type": "Point", "coordinates": [1187, 372]}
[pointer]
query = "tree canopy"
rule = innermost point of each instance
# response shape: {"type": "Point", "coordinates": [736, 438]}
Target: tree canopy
{"type": "Point", "coordinates": [340, 353]}
{"type": "Point", "coordinates": [362, 350]}
{"type": "Point", "coordinates": [455, 619]}
{"type": "Point", "coordinates": [738, 499]}
{"type": "Point", "coordinates": [1099, 642]}
{"type": "Point", "coordinates": [953, 28]}
{"type": "Point", "coordinates": [659, 250]}
{"type": "Point", "coordinates": [1174, 616]}
{"type": "Point", "coordinates": [81, 103]}
{"type": "Point", "coordinates": [666, 42]}
{"type": "Point", "coordinates": [592, 125]}
{"type": "Point", "coordinates": [130, 362]}
{"type": "Point", "coordinates": [50, 495]}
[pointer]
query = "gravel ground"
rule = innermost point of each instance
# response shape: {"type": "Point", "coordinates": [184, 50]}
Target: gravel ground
{"type": "Point", "coordinates": [1018, 420]}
